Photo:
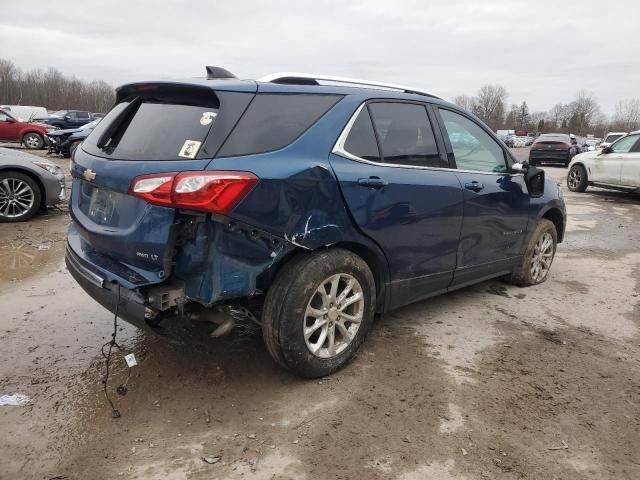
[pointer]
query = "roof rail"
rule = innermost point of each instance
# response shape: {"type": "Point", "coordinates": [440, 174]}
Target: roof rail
{"type": "Point", "coordinates": [314, 79]}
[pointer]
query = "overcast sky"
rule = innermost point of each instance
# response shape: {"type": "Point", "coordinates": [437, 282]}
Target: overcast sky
{"type": "Point", "coordinates": [542, 51]}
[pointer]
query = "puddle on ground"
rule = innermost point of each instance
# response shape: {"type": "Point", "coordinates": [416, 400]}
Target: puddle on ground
{"type": "Point", "coordinates": [21, 259]}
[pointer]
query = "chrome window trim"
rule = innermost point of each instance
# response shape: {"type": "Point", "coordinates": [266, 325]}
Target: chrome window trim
{"type": "Point", "coordinates": [338, 149]}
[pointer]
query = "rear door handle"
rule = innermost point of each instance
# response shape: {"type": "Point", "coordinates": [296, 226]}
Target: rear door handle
{"type": "Point", "coordinates": [373, 182]}
{"type": "Point", "coordinates": [474, 186]}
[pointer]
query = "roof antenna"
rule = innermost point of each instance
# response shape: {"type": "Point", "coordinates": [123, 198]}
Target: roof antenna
{"type": "Point", "coordinates": [218, 73]}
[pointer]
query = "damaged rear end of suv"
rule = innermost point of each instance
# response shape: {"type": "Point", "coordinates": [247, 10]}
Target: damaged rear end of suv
{"type": "Point", "coordinates": [303, 202]}
{"type": "Point", "coordinates": [188, 197]}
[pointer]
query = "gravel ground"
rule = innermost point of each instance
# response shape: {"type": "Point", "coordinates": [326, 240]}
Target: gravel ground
{"type": "Point", "coordinates": [493, 381]}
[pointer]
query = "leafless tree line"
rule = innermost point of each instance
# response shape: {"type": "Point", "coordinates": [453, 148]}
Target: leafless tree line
{"type": "Point", "coordinates": [581, 116]}
{"type": "Point", "coordinates": [52, 90]}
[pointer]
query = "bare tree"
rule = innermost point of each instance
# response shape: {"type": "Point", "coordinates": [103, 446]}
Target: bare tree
{"type": "Point", "coordinates": [489, 105]}
{"type": "Point", "coordinates": [584, 110]}
{"type": "Point", "coordinates": [627, 115]}
{"type": "Point", "coordinates": [465, 101]}
{"type": "Point", "coordinates": [52, 89]}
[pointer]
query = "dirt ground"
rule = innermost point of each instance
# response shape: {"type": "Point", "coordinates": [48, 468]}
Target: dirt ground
{"type": "Point", "coordinates": [492, 381]}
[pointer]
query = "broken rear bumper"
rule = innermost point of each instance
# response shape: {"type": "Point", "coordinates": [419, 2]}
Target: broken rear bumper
{"type": "Point", "coordinates": [130, 306]}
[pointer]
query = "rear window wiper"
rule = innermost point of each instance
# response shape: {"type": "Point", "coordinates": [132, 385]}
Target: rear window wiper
{"type": "Point", "coordinates": [116, 126]}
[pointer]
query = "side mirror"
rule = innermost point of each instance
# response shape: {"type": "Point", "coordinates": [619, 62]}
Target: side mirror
{"type": "Point", "coordinates": [67, 117]}
{"type": "Point", "coordinates": [534, 178]}
{"type": "Point", "coordinates": [520, 167]}
{"type": "Point", "coordinates": [10, 120]}
{"type": "Point", "coordinates": [605, 150]}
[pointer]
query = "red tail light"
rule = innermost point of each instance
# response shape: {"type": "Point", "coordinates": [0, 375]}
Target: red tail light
{"type": "Point", "coordinates": [216, 192]}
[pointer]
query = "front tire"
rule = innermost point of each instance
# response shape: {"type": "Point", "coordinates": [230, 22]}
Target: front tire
{"type": "Point", "coordinates": [539, 254]}
{"type": "Point", "coordinates": [577, 180]}
{"type": "Point", "coordinates": [20, 197]}
{"type": "Point", "coordinates": [32, 141]}
{"type": "Point", "coordinates": [318, 312]}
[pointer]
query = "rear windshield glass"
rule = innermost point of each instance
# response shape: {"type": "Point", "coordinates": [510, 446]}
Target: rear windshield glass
{"type": "Point", "coordinates": [146, 130]}
{"type": "Point", "coordinates": [273, 121]}
{"type": "Point", "coordinates": [553, 139]}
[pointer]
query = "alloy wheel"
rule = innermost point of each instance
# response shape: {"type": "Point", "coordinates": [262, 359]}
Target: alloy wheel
{"type": "Point", "coordinates": [333, 315]}
{"type": "Point", "coordinates": [542, 257]}
{"type": "Point", "coordinates": [32, 141]}
{"type": "Point", "coordinates": [16, 198]}
{"type": "Point", "coordinates": [574, 178]}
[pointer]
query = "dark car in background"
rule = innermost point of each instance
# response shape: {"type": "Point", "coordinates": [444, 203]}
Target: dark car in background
{"type": "Point", "coordinates": [27, 184]}
{"type": "Point", "coordinates": [64, 142]}
{"type": "Point", "coordinates": [65, 119]}
{"type": "Point", "coordinates": [303, 206]}
{"type": "Point", "coordinates": [552, 148]}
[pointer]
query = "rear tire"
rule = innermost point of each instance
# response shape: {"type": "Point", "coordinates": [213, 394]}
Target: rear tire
{"type": "Point", "coordinates": [577, 180]}
{"type": "Point", "coordinates": [538, 256]}
{"type": "Point", "coordinates": [308, 332]}
{"type": "Point", "coordinates": [32, 141]}
{"type": "Point", "coordinates": [20, 197]}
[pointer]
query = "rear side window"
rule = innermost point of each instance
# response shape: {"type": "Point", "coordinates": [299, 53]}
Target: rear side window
{"type": "Point", "coordinates": [148, 130]}
{"type": "Point", "coordinates": [473, 148]}
{"type": "Point", "coordinates": [273, 121]}
{"type": "Point", "coordinates": [405, 134]}
{"type": "Point", "coordinates": [361, 141]}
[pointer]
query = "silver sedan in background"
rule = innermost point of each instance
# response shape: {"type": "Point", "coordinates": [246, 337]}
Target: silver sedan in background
{"type": "Point", "coordinates": [27, 184]}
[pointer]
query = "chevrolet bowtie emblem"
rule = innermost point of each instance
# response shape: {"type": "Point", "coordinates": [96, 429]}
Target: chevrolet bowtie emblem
{"type": "Point", "coordinates": [89, 175]}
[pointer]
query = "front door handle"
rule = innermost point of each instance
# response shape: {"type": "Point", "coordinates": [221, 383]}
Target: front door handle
{"type": "Point", "coordinates": [373, 182]}
{"type": "Point", "coordinates": [474, 186]}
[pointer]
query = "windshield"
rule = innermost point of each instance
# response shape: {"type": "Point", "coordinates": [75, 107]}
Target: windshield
{"type": "Point", "coordinates": [612, 138]}
{"type": "Point", "coordinates": [59, 113]}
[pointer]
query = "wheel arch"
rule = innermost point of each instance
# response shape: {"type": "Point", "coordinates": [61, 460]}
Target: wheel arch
{"type": "Point", "coordinates": [34, 177]}
{"type": "Point", "coordinates": [375, 260]}
{"type": "Point", "coordinates": [556, 217]}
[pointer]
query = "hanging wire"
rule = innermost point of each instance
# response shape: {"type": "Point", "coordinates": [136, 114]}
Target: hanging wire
{"type": "Point", "coordinates": [121, 389]}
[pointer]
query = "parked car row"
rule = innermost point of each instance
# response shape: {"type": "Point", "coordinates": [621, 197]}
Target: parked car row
{"type": "Point", "coordinates": [52, 131]}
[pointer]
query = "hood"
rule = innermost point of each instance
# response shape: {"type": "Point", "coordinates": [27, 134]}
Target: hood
{"type": "Point", "coordinates": [68, 131]}
{"type": "Point", "coordinates": [79, 134]}
{"type": "Point", "coordinates": [586, 156]}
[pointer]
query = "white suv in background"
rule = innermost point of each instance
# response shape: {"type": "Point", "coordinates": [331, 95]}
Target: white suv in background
{"type": "Point", "coordinates": [616, 166]}
{"type": "Point", "coordinates": [611, 137]}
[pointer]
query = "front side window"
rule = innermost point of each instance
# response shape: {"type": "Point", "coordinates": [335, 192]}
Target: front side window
{"type": "Point", "coordinates": [625, 145]}
{"type": "Point", "coordinates": [405, 134]}
{"type": "Point", "coordinates": [361, 141]}
{"type": "Point", "coordinates": [473, 148]}
{"type": "Point", "coordinates": [4, 117]}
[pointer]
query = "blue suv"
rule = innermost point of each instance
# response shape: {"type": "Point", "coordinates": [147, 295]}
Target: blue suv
{"type": "Point", "coordinates": [306, 203]}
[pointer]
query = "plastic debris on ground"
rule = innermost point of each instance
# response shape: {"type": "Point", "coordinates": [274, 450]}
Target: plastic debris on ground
{"type": "Point", "coordinates": [14, 399]}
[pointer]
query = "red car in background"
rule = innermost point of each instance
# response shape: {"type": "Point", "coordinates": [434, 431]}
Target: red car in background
{"type": "Point", "coordinates": [30, 134]}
